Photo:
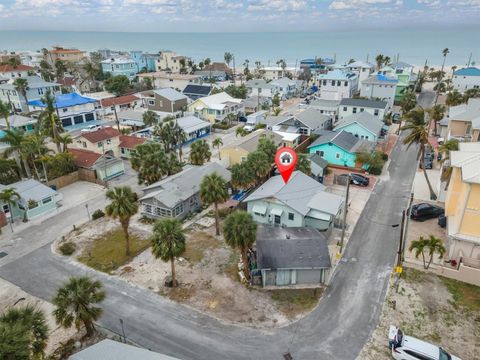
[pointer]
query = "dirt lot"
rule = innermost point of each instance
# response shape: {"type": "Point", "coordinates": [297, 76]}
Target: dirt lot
{"type": "Point", "coordinates": [442, 311]}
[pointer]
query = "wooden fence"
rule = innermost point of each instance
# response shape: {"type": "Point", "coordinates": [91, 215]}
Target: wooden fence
{"type": "Point", "coordinates": [79, 175]}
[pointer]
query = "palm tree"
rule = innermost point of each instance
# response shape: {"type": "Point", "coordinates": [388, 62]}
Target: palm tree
{"type": "Point", "coordinates": [168, 242]}
{"type": "Point", "coordinates": [303, 164]}
{"type": "Point", "coordinates": [260, 164]}
{"type": "Point", "coordinates": [432, 244]}
{"type": "Point", "coordinates": [437, 112]}
{"type": "Point", "coordinates": [216, 143]}
{"type": "Point", "coordinates": [277, 111]}
{"type": "Point", "coordinates": [49, 120]}
{"type": "Point", "coordinates": [242, 176]}
{"type": "Point", "coordinates": [446, 148]}
{"type": "Point", "coordinates": [240, 131]}
{"type": "Point", "coordinates": [418, 135]}
{"type": "Point", "coordinates": [409, 101]}
{"type": "Point", "coordinates": [91, 71]}
{"type": "Point", "coordinates": [150, 118]}
{"type": "Point", "coordinates": [33, 324]}
{"type": "Point", "coordinates": [379, 59]}
{"type": "Point", "coordinates": [200, 152]}
{"type": "Point", "coordinates": [21, 85]}
{"type": "Point", "coordinates": [10, 197]}
{"type": "Point", "coordinates": [65, 140]}
{"type": "Point", "coordinates": [213, 190]}
{"type": "Point", "coordinates": [454, 98]}
{"type": "Point", "coordinates": [75, 303]}
{"type": "Point", "coordinates": [151, 162]}
{"type": "Point", "coordinates": [5, 112]}
{"type": "Point", "coordinates": [123, 205]}
{"type": "Point", "coordinates": [445, 52]}
{"type": "Point", "coordinates": [267, 145]}
{"type": "Point", "coordinates": [15, 140]}
{"type": "Point", "coordinates": [35, 143]}
{"type": "Point", "coordinates": [14, 61]}
{"type": "Point", "coordinates": [228, 57]}
{"type": "Point", "coordinates": [240, 232]}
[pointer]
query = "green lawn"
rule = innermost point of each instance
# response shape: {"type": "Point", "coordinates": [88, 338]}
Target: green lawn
{"type": "Point", "coordinates": [107, 252]}
{"type": "Point", "coordinates": [463, 294]}
{"type": "Point", "coordinates": [293, 302]}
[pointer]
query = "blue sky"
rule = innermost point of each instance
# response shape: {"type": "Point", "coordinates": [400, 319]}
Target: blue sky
{"type": "Point", "coordinates": [231, 15]}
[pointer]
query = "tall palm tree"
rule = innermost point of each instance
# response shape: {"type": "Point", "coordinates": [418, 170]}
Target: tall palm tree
{"type": "Point", "coordinates": [32, 322]}
{"type": "Point", "coordinates": [123, 205]}
{"type": "Point", "coordinates": [437, 112]}
{"type": "Point", "coordinates": [454, 98]}
{"type": "Point", "coordinates": [240, 232]}
{"type": "Point", "coordinates": [150, 118]}
{"type": "Point", "coordinates": [216, 143]}
{"type": "Point", "coordinates": [168, 242]}
{"type": "Point", "coordinates": [303, 164]}
{"type": "Point", "coordinates": [433, 245]}
{"type": "Point", "coordinates": [50, 121]}
{"type": "Point", "coordinates": [39, 150]}
{"type": "Point", "coordinates": [418, 134]}
{"type": "Point", "coordinates": [14, 61]}
{"type": "Point", "coordinates": [200, 152]}
{"type": "Point", "coordinates": [15, 140]}
{"type": "Point", "coordinates": [151, 162]}
{"type": "Point", "coordinates": [21, 85]}
{"type": "Point", "coordinates": [5, 112]}
{"type": "Point", "coordinates": [10, 197]}
{"type": "Point", "coordinates": [65, 140]}
{"type": "Point", "coordinates": [213, 190]}
{"type": "Point", "coordinates": [379, 60]}
{"type": "Point", "coordinates": [445, 52]}
{"type": "Point", "coordinates": [445, 149]}
{"type": "Point", "coordinates": [75, 303]}
{"type": "Point", "coordinates": [259, 163]}
{"type": "Point", "coordinates": [242, 176]}
{"type": "Point", "coordinates": [90, 71]}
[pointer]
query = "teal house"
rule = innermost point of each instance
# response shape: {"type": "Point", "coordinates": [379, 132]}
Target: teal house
{"type": "Point", "coordinates": [19, 122]}
{"type": "Point", "coordinates": [340, 148]}
{"type": "Point", "coordinates": [362, 125]}
{"type": "Point", "coordinates": [35, 199]}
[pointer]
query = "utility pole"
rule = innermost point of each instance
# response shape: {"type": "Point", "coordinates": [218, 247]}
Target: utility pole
{"type": "Point", "coordinates": [116, 116]}
{"type": "Point", "coordinates": [234, 83]}
{"type": "Point", "coordinates": [345, 209]}
{"type": "Point", "coordinates": [469, 60]}
{"type": "Point", "coordinates": [400, 244]}
{"type": "Point", "coordinates": [407, 222]}
{"type": "Point", "coordinates": [104, 166]}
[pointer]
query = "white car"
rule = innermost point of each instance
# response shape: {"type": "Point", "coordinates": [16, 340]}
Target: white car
{"type": "Point", "coordinates": [409, 348]}
{"type": "Point", "coordinates": [91, 128]}
{"type": "Point", "coordinates": [249, 127]}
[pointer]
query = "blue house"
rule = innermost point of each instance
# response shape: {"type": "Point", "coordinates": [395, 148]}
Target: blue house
{"type": "Point", "coordinates": [144, 61]}
{"type": "Point", "coordinates": [340, 148]}
{"type": "Point", "coordinates": [120, 66]}
{"type": "Point", "coordinates": [363, 125]}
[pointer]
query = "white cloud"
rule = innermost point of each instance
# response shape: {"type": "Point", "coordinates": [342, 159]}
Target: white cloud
{"type": "Point", "coordinates": [429, 3]}
{"type": "Point", "coordinates": [355, 4]}
{"type": "Point", "coordinates": [277, 5]}
{"type": "Point", "coordinates": [226, 5]}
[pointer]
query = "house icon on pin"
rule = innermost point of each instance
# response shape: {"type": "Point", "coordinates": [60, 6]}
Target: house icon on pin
{"type": "Point", "coordinates": [286, 158]}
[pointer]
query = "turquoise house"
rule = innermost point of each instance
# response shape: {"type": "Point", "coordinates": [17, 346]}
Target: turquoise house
{"type": "Point", "coordinates": [35, 199]}
{"type": "Point", "coordinates": [362, 125]}
{"type": "Point", "coordinates": [19, 122]}
{"type": "Point", "coordinates": [120, 66]}
{"type": "Point", "coordinates": [340, 148]}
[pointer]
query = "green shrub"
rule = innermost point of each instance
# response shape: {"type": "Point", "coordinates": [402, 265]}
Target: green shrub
{"type": "Point", "coordinates": [223, 125]}
{"type": "Point", "coordinates": [375, 170]}
{"type": "Point", "coordinates": [97, 214]}
{"type": "Point", "coordinates": [67, 248]}
{"type": "Point", "coordinates": [32, 204]}
{"type": "Point", "coordinates": [384, 156]}
{"type": "Point", "coordinates": [222, 213]}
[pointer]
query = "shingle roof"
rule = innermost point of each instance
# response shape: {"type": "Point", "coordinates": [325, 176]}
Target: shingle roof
{"type": "Point", "coordinates": [112, 350]}
{"type": "Point", "coordinates": [170, 94]}
{"type": "Point", "coordinates": [469, 71]}
{"type": "Point", "coordinates": [318, 160]}
{"type": "Point", "coordinates": [343, 140]}
{"type": "Point", "coordinates": [325, 103]}
{"type": "Point", "coordinates": [202, 90]}
{"type": "Point", "coordinates": [84, 158]}
{"type": "Point", "coordinates": [291, 248]}
{"type": "Point", "coordinates": [179, 187]}
{"type": "Point", "coordinates": [121, 100]}
{"type": "Point", "coordinates": [9, 68]}
{"type": "Point", "coordinates": [312, 118]}
{"type": "Point", "coordinates": [368, 103]}
{"type": "Point", "coordinates": [365, 119]}
{"type": "Point", "coordinates": [101, 134]}
{"type": "Point", "coordinates": [130, 142]}
{"type": "Point", "coordinates": [297, 193]}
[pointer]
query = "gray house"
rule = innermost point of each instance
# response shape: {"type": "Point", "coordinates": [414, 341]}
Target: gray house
{"type": "Point", "coordinates": [292, 256]}
{"type": "Point", "coordinates": [300, 202]}
{"type": "Point", "coordinates": [166, 100]}
{"type": "Point", "coordinates": [305, 122]}
{"type": "Point", "coordinates": [179, 194]}
{"type": "Point", "coordinates": [317, 166]}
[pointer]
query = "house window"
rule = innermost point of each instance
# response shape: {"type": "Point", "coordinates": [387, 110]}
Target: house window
{"type": "Point", "coordinates": [109, 141]}
{"type": "Point", "coordinates": [375, 112]}
{"type": "Point", "coordinates": [319, 152]}
{"type": "Point", "coordinates": [324, 82]}
{"type": "Point", "coordinates": [178, 210]}
{"type": "Point", "coordinates": [354, 110]}
{"type": "Point", "coordinates": [346, 83]}
{"type": "Point", "coordinates": [291, 216]}
{"type": "Point", "coordinates": [147, 208]}
{"type": "Point", "coordinates": [362, 109]}
{"type": "Point", "coordinates": [100, 144]}
{"type": "Point", "coordinates": [366, 137]}
{"type": "Point", "coordinates": [337, 156]}
{"type": "Point", "coordinates": [339, 83]}
{"type": "Point", "coordinates": [344, 108]}
{"type": "Point", "coordinates": [277, 219]}
{"type": "Point", "coordinates": [64, 110]}
{"type": "Point", "coordinates": [151, 102]}
{"type": "Point", "coordinates": [46, 200]}
{"type": "Point", "coordinates": [122, 150]}
{"type": "Point", "coordinates": [84, 144]}
{"type": "Point", "coordinates": [160, 103]}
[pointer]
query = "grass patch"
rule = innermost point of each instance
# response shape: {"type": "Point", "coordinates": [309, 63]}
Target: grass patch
{"type": "Point", "coordinates": [197, 243]}
{"type": "Point", "coordinates": [67, 248]}
{"type": "Point", "coordinates": [463, 294]}
{"type": "Point", "coordinates": [107, 252]}
{"type": "Point", "coordinates": [292, 302]}
{"type": "Point", "coordinates": [231, 267]}
{"type": "Point", "coordinates": [413, 275]}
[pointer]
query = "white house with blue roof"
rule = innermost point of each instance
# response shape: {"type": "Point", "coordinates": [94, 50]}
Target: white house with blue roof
{"type": "Point", "coordinates": [466, 78]}
{"type": "Point", "coordinates": [337, 84]}
{"type": "Point", "coordinates": [73, 109]}
{"type": "Point", "coordinates": [379, 87]}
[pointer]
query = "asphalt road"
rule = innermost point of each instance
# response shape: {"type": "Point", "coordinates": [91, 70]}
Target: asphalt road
{"type": "Point", "coordinates": [337, 329]}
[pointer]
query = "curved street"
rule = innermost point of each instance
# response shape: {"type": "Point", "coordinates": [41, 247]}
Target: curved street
{"type": "Point", "coordinates": [337, 329]}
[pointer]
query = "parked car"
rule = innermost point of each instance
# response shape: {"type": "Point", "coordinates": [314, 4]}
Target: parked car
{"type": "Point", "coordinates": [242, 118]}
{"type": "Point", "coordinates": [428, 163]}
{"type": "Point", "coordinates": [442, 221]}
{"type": "Point", "coordinates": [395, 118]}
{"type": "Point", "coordinates": [425, 211]}
{"type": "Point", "coordinates": [355, 179]}
{"type": "Point", "coordinates": [91, 128]}
{"type": "Point", "coordinates": [249, 127]}
{"type": "Point", "coordinates": [409, 348]}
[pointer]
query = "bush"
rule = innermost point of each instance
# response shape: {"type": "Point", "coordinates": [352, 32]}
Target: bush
{"type": "Point", "coordinates": [67, 248]}
{"type": "Point", "coordinates": [375, 170]}
{"type": "Point", "coordinates": [223, 213]}
{"type": "Point", "coordinates": [260, 126]}
{"type": "Point", "coordinates": [384, 156]}
{"type": "Point", "coordinates": [97, 214]}
{"type": "Point", "coordinates": [221, 125]}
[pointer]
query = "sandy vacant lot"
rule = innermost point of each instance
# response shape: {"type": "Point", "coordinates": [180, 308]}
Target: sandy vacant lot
{"type": "Point", "coordinates": [438, 310]}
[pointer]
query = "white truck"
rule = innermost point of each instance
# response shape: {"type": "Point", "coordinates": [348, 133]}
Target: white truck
{"type": "Point", "coordinates": [254, 119]}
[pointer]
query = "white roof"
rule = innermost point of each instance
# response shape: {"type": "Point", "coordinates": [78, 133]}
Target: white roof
{"type": "Point", "coordinates": [30, 190]}
{"type": "Point", "coordinates": [190, 124]}
{"type": "Point", "coordinates": [288, 136]}
{"type": "Point", "coordinates": [17, 121]}
{"type": "Point", "coordinates": [217, 101]}
{"type": "Point", "coordinates": [468, 159]}
{"type": "Point", "coordinates": [360, 64]}
{"type": "Point", "coordinates": [170, 94]}
{"type": "Point", "coordinates": [118, 60]}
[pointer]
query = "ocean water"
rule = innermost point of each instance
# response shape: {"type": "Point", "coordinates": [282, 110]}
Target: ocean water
{"type": "Point", "coordinates": [411, 45]}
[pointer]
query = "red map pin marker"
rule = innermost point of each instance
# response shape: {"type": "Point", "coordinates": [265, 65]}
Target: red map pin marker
{"type": "Point", "coordinates": [286, 159]}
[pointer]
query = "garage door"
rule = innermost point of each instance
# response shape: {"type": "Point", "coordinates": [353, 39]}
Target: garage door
{"type": "Point", "coordinates": [310, 276]}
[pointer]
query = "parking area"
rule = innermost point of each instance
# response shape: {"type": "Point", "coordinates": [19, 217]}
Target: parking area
{"type": "Point", "coordinates": [330, 178]}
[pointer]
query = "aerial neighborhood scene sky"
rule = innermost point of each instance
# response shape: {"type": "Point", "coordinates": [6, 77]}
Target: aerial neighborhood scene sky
{"type": "Point", "coordinates": [233, 15]}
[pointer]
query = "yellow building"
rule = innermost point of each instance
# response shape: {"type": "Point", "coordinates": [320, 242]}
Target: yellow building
{"type": "Point", "coordinates": [64, 54]}
{"type": "Point", "coordinates": [462, 205]}
{"type": "Point", "coordinates": [216, 107]}
{"type": "Point", "coordinates": [238, 151]}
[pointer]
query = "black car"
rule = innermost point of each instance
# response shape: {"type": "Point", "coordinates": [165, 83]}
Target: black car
{"type": "Point", "coordinates": [355, 179]}
{"type": "Point", "coordinates": [442, 221]}
{"type": "Point", "coordinates": [424, 211]}
{"type": "Point", "coordinates": [242, 118]}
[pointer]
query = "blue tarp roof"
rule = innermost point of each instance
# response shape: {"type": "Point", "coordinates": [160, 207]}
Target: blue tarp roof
{"type": "Point", "coordinates": [470, 71]}
{"type": "Point", "coordinates": [381, 77]}
{"type": "Point", "coordinates": [65, 100]}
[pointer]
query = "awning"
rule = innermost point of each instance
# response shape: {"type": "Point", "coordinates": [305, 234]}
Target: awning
{"type": "Point", "coordinates": [318, 215]}
{"type": "Point", "coordinates": [278, 212]}
{"type": "Point", "coordinates": [259, 209]}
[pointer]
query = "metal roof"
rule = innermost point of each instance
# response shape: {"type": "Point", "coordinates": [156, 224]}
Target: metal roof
{"type": "Point", "coordinates": [312, 118]}
{"type": "Point", "coordinates": [291, 248]}
{"type": "Point", "coordinates": [191, 123]}
{"type": "Point", "coordinates": [34, 82]}
{"type": "Point", "coordinates": [380, 79]}
{"type": "Point", "coordinates": [30, 189]}
{"type": "Point", "coordinates": [343, 140]}
{"type": "Point", "coordinates": [368, 103]}
{"type": "Point", "coordinates": [469, 71]}
{"type": "Point", "coordinates": [17, 121]}
{"type": "Point", "coordinates": [250, 142]}
{"type": "Point", "coordinates": [170, 94]}
{"type": "Point", "coordinates": [364, 119]}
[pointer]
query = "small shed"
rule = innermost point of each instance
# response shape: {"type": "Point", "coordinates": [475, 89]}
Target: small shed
{"type": "Point", "coordinates": [292, 256]}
